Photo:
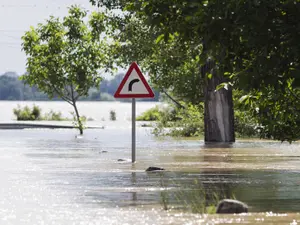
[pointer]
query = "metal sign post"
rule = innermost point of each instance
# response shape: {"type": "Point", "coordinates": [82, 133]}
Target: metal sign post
{"type": "Point", "coordinates": [134, 85]}
{"type": "Point", "coordinates": [133, 144]}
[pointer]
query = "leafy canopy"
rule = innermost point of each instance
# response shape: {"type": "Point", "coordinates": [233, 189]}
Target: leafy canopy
{"type": "Point", "coordinates": [254, 43]}
{"type": "Point", "coordinates": [65, 58]}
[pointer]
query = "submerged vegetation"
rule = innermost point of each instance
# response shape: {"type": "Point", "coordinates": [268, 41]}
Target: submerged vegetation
{"type": "Point", "coordinates": [192, 196]}
{"type": "Point", "coordinates": [112, 115]}
{"type": "Point", "coordinates": [188, 121]}
{"type": "Point", "coordinates": [35, 113]}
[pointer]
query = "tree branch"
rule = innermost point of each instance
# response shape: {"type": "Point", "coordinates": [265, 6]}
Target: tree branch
{"type": "Point", "coordinates": [72, 94]}
{"type": "Point", "coordinates": [172, 99]}
{"type": "Point", "coordinates": [61, 95]}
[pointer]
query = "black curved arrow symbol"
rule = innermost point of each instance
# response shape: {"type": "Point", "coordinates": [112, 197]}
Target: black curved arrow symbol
{"type": "Point", "coordinates": [131, 84]}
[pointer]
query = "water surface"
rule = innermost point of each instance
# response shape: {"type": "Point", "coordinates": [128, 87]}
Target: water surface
{"type": "Point", "coordinates": [51, 177]}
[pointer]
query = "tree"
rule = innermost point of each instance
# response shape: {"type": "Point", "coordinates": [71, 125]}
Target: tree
{"type": "Point", "coordinates": [174, 61]}
{"type": "Point", "coordinates": [64, 58]}
{"type": "Point", "coordinates": [253, 44]}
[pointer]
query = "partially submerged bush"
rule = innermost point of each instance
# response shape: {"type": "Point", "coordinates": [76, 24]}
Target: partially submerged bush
{"type": "Point", "coordinates": [56, 116]}
{"type": "Point", "coordinates": [26, 113]}
{"type": "Point", "coordinates": [245, 125]}
{"type": "Point", "coordinates": [189, 121]}
{"type": "Point", "coordinates": [152, 114]}
{"type": "Point", "coordinates": [112, 115]}
{"type": "Point", "coordinates": [35, 113]}
{"type": "Point", "coordinates": [185, 122]}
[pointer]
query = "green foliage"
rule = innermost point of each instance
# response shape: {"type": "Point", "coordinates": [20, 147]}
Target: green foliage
{"type": "Point", "coordinates": [55, 116]}
{"type": "Point", "coordinates": [180, 122]}
{"type": "Point", "coordinates": [79, 122]}
{"type": "Point", "coordinates": [64, 58]}
{"type": "Point", "coordinates": [195, 199]}
{"type": "Point", "coordinates": [276, 111]}
{"type": "Point", "coordinates": [192, 196]}
{"type": "Point", "coordinates": [152, 114]}
{"type": "Point", "coordinates": [27, 114]}
{"type": "Point", "coordinates": [190, 122]}
{"type": "Point", "coordinates": [35, 113]}
{"type": "Point", "coordinates": [245, 125]}
{"type": "Point", "coordinates": [255, 44]}
{"type": "Point", "coordinates": [170, 65]}
{"type": "Point", "coordinates": [112, 115]}
{"type": "Point", "coordinates": [246, 38]}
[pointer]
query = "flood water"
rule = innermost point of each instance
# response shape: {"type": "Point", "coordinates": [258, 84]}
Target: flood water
{"type": "Point", "coordinates": [52, 177]}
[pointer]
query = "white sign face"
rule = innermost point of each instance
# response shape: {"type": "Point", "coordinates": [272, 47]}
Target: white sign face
{"type": "Point", "coordinates": [134, 85]}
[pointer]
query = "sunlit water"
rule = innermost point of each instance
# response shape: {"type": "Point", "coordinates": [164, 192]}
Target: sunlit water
{"type": "Point", "coordinates": [52, 177]}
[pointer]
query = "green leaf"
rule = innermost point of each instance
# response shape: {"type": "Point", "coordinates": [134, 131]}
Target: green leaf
{"type": "Point", "coordinates": [224, 85]}
{"type": "Point", "coordinates": [243, 98]}
{"type": "Point", "coordinates": [159, 38]}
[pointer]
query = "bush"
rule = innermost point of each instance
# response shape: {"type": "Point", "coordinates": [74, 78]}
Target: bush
{"type": "Point", "coordinates": [35, 113]}
{"type": "Point", "coordinates": [56, 116]}
{"type": "Point", "coordinates": [27, 114]}
{"type": "Point", "coordinates": [152, 114]}
{"type": "Point", "coordinates": [245, 125]}
{"type": "Point", "coordinates": [181, 122]}
{"type": "Point", "coordinates": [112, 115]}
{"type": "Point", "coordinates": [189, 121]}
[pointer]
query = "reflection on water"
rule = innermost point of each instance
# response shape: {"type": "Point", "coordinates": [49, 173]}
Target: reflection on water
{"type": "Point", "coordinates": [49, 176]}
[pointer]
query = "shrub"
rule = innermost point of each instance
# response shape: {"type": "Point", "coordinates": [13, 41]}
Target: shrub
{"type": "Point", "coordinates": [56, 116]}
{"type": "Point", "coordinates": [112, 115]}
{"type": "Point", "coordinates": [245, 125]}
{"type": "Point", "coordinates": [181, 122]}
{"type": "Point", "coordinates": [152, 114]}
{"type": "Point", "coordinates": [190, 123]}
{"type": "Point", "coordinates": [35, 113]}
{"type": "Point", "coordinates": [27, 114]}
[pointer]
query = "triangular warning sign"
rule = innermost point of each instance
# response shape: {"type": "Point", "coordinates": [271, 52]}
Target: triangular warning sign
{"type": "Point", "coordinates": [134, 85]}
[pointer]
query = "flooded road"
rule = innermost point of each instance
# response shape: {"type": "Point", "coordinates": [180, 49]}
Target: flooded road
{"type": "Point", "coordinates": [51, 177]}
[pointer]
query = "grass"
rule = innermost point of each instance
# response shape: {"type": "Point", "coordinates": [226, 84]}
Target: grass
{"type": "Point", "coordinates": [190, 197]}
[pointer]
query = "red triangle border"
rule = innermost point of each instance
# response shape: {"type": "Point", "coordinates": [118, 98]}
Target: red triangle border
{"type": "Point", "coordinates": [141, 76]}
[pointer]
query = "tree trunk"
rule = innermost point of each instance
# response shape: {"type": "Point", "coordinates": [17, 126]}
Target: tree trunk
{"type": "Point", "coordinates": [218, 113]}
{"type": "Point", "coordinates": [80, 126]}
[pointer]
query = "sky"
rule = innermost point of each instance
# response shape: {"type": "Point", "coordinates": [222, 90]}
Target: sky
{"type": "Point", "coordinates": [16, 17]}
